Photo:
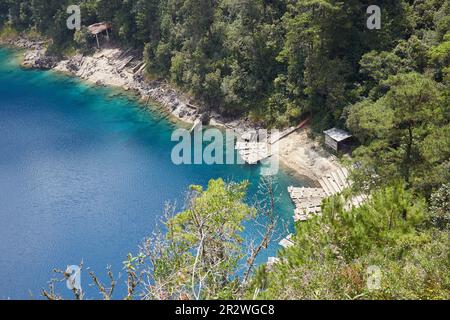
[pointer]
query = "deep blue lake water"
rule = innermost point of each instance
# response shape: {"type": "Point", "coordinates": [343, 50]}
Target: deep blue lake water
{"type": "Point", "coordinates": [84, 175]}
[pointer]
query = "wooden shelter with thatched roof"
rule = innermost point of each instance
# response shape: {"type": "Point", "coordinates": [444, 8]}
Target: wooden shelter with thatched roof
{"type": "Point", "coordinates": [99, 27]}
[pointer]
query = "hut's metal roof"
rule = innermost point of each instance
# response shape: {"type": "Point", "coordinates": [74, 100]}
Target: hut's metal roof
{"type": "Point", "coordinates": [98, 27]}
{"type": "Point", "coordinates": [337, 134]}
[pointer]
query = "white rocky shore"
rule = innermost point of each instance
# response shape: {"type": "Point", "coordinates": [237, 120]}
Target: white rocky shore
{"type": "Point", "coordinates": [112, 66]}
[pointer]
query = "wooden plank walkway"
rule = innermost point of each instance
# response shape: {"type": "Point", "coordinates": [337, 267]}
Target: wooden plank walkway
{"type": "Point", "coordinates": [271, 261]}
{"type": "Point", "coordinates": [252, 152]}
{"type": "Point", "coordinates": [287, 242]}
{"type": "Point", "coordinates": [308, 200]}
{"type": "Point", "coordinates": [124, 63]}
{"type": "Point", "coordinates": [288, 131]}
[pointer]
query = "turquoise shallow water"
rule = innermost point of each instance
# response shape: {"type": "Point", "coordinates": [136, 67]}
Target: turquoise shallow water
{"type": "Point", "coordinates": [84, 174]}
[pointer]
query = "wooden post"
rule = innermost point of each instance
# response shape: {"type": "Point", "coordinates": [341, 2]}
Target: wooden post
{"type": "Point", "coordinates": [107, 34]}
{"type": "Point", "coordinates": [96, 38]}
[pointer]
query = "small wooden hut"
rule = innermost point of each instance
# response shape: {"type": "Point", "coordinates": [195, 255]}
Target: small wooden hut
{"type": "Point", "coordinates": [97, 28]}
{"type": "Point", "coordinates": [336, 138]}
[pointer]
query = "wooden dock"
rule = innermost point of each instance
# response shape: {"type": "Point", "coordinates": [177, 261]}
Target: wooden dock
{"type": "Point", "coordinates": [271, 261]}
{"type": "Point", "coordinates": [287, 242]}
{"type": "Point", "coordinates": [308, 200]}
{"type": "Point", "coordinates": [253, 151]}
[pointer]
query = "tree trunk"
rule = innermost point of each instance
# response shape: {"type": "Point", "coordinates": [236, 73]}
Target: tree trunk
{"type": "Point", "coordinates": [408, 154]}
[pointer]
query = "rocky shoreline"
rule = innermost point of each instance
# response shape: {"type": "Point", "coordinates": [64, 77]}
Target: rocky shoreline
{"type": "Point", "coordinates": [112, 66]}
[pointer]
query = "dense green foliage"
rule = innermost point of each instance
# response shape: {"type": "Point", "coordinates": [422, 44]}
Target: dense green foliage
{"type": "Point", "coordinates": [199, 255]}
{"type": "Point", "coordinates": [406, 134]}
{"type": "Point", "coordinates": [333, 253]}
{"type": "Point", "coordinates": [272, 59]}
